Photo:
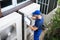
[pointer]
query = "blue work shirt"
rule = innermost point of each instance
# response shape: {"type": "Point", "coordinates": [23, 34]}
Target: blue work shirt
{"type": "Point", "coordinates": [39, 23]}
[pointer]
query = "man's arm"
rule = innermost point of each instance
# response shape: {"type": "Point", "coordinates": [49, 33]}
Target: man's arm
{"type": "Point", "coordinates": [33, 28]}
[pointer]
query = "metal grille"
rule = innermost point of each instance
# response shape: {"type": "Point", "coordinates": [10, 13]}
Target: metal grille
{"type": "Point", "coordinates": [47, 6]}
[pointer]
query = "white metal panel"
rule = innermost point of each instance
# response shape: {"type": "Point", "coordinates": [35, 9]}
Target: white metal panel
{"type": "Point", "coordinates": [27, 21]}
{"type": "Point", "coordinates": [30, 8]}
{"type": "Point", "coordinates": [13, 18]}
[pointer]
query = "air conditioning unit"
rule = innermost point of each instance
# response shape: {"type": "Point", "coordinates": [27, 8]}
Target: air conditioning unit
{"type": "Point", "coordinates": [26, 18]}
{"type": "Point", "coordinates": [11, 27]}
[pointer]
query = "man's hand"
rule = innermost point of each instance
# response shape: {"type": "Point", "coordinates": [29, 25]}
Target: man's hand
{"type": "Point", "coordinates": [33, 28]}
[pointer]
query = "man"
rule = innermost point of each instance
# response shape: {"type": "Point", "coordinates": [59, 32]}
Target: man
{"type": "Point", "coordinates": [37, 28]}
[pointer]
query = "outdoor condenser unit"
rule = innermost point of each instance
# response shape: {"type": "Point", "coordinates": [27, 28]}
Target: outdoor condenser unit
{"type": "Point", "coordinates": [11, 27]}
{"type": "Point", "coordinates": [26, 18]}
{"type": "Point", "coordinates": [47, 6]}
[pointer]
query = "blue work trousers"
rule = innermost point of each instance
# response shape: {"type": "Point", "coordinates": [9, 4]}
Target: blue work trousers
{"type": "Point", "coordinates": [37, 33]}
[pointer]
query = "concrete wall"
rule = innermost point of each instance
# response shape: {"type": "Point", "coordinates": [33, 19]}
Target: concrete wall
{"type": "Point", "coordinates": [48, 17]}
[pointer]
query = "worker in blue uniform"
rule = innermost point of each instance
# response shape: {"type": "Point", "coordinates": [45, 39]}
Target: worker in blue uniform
{"type": "Point", "coordinates": [37, 27]}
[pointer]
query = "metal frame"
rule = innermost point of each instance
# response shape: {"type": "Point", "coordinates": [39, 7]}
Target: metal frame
{"type": "Point", "coordinates": [23, 33]}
